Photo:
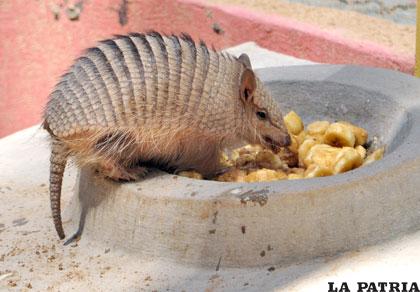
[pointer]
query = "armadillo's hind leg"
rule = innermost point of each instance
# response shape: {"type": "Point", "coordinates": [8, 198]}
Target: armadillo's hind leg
{"type": "Point", "coordinates": [117, 151]}
{"type": "Point", "coordinates": [117, 172]}
{"type": "Point", "coordinates": [58, 162]}
{"type": "Point", "coordinates": [138, 171]}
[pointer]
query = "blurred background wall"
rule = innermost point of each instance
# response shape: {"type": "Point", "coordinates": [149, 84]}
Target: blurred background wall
{"type": "Point", "coordinates": [41, 38]}
{"type": "Point", "coordinates": [400, 11]}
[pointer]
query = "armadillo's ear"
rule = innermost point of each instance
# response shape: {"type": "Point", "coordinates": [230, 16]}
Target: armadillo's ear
{"type": "Point", "coordinates": [247, 86]}
{"type": "Point", "coordinates": [244, 59]}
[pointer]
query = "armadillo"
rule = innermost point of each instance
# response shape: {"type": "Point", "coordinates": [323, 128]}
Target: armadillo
{"type": "Point", "coordinates": [164, 100]}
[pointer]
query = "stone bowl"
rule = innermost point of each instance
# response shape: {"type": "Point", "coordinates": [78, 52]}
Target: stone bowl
{"type": "Point", "coordinates": [208, 223]}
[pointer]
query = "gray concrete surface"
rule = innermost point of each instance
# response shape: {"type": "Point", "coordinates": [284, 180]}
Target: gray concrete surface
{"type": "Point", "coordinates": [31, 255]}
{"type": "Point", "coordinates": [33, 259]}
{"type": "Point", "coordinates": [245, 225]}
{"type": "Point", "coordinates": [400, 11]}
{"type": "Point", "coordinates": [263, 58]}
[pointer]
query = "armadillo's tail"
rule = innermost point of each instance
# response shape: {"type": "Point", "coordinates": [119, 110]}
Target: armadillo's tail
{"type": "Point", "coordinates": [58, 162]}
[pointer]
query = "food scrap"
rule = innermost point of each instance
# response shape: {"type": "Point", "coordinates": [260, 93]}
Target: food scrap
{"type": "Point", "coordinates": [319, 149]}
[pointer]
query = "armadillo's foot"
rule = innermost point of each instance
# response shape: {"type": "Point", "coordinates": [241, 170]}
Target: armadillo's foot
{"type": "Point", "coordinates": [221, 171]}
{"type": "Point", "coordinates": [120, 173]}
{"type": "Point", "coordinates": [137, 172]}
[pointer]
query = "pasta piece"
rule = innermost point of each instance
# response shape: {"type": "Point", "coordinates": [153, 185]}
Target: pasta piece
{"type": "Point", "coordinates": [233, 175]}
{"type": "Point", "coordinates": [317, 171]}
{"type": "Point", "coordinates": [304, 149]}
{"type": "Point", "coordinates": [293, 123]}
{"type": "Point", "coordinates": [360, 134]}
{"type": "Point", "coordinates": [374, 156]}
{"type": "Point", "coordinates": [339, 135]}
{"type": "Point", "coordinates": [267, 159]}
{"type": "Point", "coordinates": [322, 155]}
{"type": "Point", "coordinates": [317, 128]}
{"type": "Point", "coordinates": [347, 159]}
{"type": "Point", "coordinates": [191, 174]}
{"type": "Point", "coordinates": [361, 150]}
{"type": "Point", "coordinates": [265, 175]}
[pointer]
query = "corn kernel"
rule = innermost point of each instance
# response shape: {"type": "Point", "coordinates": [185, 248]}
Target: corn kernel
{"type": "Point", "coordinates": [293, 123]}
{"type": "Point", "coordinates": [374, 156]}
{"type": "Point", "coordinates": [339, 135]}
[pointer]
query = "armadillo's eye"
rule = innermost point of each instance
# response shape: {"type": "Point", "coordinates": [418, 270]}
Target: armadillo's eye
{"type": "Point", "coordinates": [246, 94]}
{"type": "Point", "coordinates": [262, 115]}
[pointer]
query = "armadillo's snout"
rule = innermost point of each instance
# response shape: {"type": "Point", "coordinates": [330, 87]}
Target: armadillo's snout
{"type": "Point", "coordinates": [276, 144]}
{"type": "Point", "coordinates": [286, 141]}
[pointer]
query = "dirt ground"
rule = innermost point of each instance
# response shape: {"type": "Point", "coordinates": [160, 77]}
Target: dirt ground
{"type": "Point", "coordinates": [397, 37]}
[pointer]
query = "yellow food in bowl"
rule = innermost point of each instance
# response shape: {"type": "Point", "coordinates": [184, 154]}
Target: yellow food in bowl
{"type": "Point", "coordinates": [339, 135]}
{"type": "Point", "coordinates": [322, 149]}
{"type": "Point", "coordinates": [293, 123]}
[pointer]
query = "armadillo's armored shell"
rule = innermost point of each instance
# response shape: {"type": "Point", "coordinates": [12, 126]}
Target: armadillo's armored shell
{"type": "Point", "coordinates": [132, 80]}
{"type": "Point", "coordinates": [136, 84]}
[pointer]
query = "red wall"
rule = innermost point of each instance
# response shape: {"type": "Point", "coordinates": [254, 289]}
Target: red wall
{"type": "Point", "coordinates": [35, 49]}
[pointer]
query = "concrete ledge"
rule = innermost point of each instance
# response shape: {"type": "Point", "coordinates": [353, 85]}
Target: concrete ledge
{"type": "Point", "coordinates": [201, 223]}
{"type": "Point", "coordinates": [29, 246]}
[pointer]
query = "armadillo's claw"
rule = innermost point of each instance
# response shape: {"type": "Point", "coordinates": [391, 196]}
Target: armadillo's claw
{"type": "Point", "coordinates": [133, 174]}
{"type": "Point", "coordinates": [74, 237]}
{"type": "Point", "coordinates": [120, 174]}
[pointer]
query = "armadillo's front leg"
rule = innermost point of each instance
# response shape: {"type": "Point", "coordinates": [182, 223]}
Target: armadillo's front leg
{"type": "Point", "coordinates": [210, 165]}
{"type": "Point", "coordinates": [117, 172]}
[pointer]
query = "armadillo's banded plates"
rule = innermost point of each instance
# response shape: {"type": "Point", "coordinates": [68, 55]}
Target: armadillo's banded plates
{"type": "Point", "coordinates": [141, 79]}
